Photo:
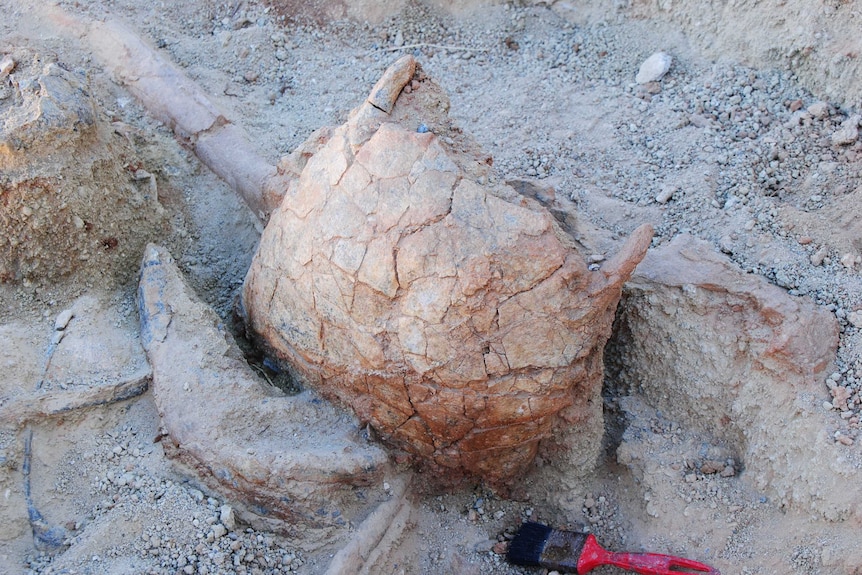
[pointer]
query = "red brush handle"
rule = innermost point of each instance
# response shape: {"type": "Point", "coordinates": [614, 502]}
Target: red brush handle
{"type": "Point", "coordinates": [593, 555]}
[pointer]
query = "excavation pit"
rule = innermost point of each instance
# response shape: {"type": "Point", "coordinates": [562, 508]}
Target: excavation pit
{"type": "Point", "coordinates": [732, 420]}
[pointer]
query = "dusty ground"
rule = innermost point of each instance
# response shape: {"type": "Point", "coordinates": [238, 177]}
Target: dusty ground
{"type": "Point", "coordinates": [748, 155]}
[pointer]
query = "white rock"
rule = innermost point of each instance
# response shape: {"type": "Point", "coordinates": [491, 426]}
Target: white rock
{"type": "Point", "coordinates": [219, 530]}
{"type": "Point", "coordinates": [666, 193]}
{"type": "Point", "coordinates": [63, 319]}
{"type": "Point", "coordinates": [819, 109]}
{"type": "Point", "coordinates": [227, 517]}
{"type": "Point", "coordinates": [654, 68]}
{"type": "Point", "coordinates": [7, 64]}
{"type": "Point", "coordinates": [818, 256]}
{"type": "Point", "coordinates": [848, 133]}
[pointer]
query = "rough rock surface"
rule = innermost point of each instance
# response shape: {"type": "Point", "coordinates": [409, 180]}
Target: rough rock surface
{"type": "Point", "coordinates": [242, 437]}
{"type": "Point", "coordinates": [740, 360]}
{"type": "Point", "coordinates": [452, 315]}
{"type": "Point", "coordinates": [70, 187]}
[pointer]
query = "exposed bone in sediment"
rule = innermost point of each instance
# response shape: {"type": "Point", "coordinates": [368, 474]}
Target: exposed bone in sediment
{"type": "Point", "coordinates": [290, 463]}
{"type": "Point", "coordinates": [176, 100]}
{"type": "Point", "coordinates": [455, 316]}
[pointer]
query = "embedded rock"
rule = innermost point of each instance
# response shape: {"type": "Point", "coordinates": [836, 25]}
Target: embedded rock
{"type": "Point", "coordinates": [454, 316]}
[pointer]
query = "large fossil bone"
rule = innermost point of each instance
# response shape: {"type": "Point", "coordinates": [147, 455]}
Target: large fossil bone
{"type": "Point", "coordinates": [454, 316]}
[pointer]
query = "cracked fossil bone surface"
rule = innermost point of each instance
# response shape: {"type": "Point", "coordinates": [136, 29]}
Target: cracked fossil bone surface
{"type": "Point", "coordinates": [451, 314]}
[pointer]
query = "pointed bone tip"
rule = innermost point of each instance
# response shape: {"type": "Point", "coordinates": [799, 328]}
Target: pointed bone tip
{"type": "Point", "coordinates": [152, 253]}
{"type": "Point", "coordinates": [387, 89]}
{"type": "Point", "coordinates": [155, 255]}
{"type": "Point", "coordinates": [621, 266]}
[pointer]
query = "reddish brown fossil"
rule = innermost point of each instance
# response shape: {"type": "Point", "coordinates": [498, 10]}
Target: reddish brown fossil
{"type": "Point", "coordinates": [451, 314]}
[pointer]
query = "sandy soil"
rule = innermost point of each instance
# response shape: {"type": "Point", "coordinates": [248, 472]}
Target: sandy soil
{"type": "Point", "coordinates": [746, 158]}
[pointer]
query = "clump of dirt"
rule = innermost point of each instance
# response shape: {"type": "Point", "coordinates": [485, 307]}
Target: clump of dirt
{"type": "Point", "coordinates": [74, 198]}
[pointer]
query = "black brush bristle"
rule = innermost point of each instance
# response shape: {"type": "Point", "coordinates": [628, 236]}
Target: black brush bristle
{"type": "Point", "coordinates": [529, 543]}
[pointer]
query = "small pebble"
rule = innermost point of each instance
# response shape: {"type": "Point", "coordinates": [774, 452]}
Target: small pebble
{"type": "Point", "coordinates": [652, 88]}
{"type": "Point", "coordinates": [819, 109]}
{"type": "Point", "coordinates": [848, 133]}
{"type": "Point", "coordinates": [654, 68]}
{"type": "Point", "coordinates": [818, 256]}
{"type": "Point", "coordinates": [63, 319]}
{"type": "Point", "coordinates": [7, 64]}
{"type": "Point", "coordinates": [666, 193]}
{"type": "Point", "coordinates": [227, 517]}
{"type": "Point", "coordinates": [844, 439]}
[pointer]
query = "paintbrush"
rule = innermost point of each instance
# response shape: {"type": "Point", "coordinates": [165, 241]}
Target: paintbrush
{"type": "Point", "coordinates": [537, 545]}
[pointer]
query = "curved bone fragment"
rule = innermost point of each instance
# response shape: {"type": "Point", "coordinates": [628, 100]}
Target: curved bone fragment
{"type": "Point", "coordinates": [387, 89]}
{"type": "Point", "coordinates": [296, 460]}
{"type": "Point", "coordinates": [454, 316]}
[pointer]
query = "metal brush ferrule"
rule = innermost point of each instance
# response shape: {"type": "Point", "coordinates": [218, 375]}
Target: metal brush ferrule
{"type": "Point", "coordinates": [563, 550]}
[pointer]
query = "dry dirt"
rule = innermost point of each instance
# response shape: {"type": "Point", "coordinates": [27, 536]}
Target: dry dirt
{"type": "Point", "coordinates": [760, 162]}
